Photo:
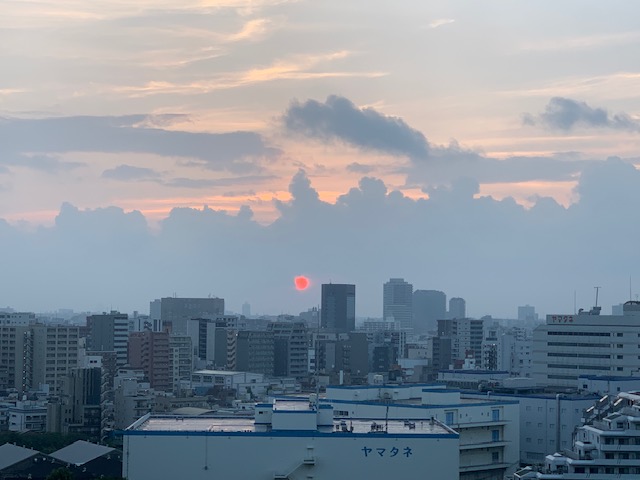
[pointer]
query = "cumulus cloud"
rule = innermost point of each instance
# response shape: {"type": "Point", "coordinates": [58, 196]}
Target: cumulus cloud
{"type": "Point", "coordinates": [234, 151]}
{"type": "Point", "coordinates": [565, 114]}
{"type": "Point", "coordinates": [339, 119]}
{"type": "Point", "coordinates": [453, 241]}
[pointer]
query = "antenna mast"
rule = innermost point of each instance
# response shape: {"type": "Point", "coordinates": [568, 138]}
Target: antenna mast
{"type": "Point", "coordinates": [597, 290]}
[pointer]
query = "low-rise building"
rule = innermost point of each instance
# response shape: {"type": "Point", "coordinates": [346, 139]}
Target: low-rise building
{"type": "Point", "coordinates": [28, 416]}
{"type": "Point", "coordinates": [488, 428]}
{"type": "Point", "coordinates": [241, 382]}
{"type": "Point", "coordinates": [606, 447]}
{"type": "Point", "coordinates": [287, 442]}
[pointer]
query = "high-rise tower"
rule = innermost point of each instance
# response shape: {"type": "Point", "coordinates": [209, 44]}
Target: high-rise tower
{"type": "Point", "coordinates": [338, 310]}
{"type": "Point", "coordinates": [397, 302]}
{"type": "Point", "coordinates": [429, 306]}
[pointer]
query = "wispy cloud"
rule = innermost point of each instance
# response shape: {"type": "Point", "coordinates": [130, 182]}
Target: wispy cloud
{"type": "Point", "coordinates": [295, 68]}
{"type": "Point", "coordinates": [10, 91]}
{"type": "Point", "coordinates": [614, 85]}
{"type": "Point", "coordinates": [233, 151]}
{"type": "Point", "coordinates": [583, 42]}
{"type": "Point", "coordinates": [197, 183]}
{"type": "Point", "coordinates": [44, 163]}
{"type": "Point", "coordinates": [131, 173]}
{"type": "Point", "coordinates": [440, 22]}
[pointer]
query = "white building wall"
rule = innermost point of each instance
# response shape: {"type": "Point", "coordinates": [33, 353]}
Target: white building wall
{"type": "Point", "coordinates": [470, 419]}
{"type": "Point", "coordinates": [539, 420]}
{"type": "Point", "coordinates": [569, 346]}
{"type": "Point", "coordinates": [329, 456]}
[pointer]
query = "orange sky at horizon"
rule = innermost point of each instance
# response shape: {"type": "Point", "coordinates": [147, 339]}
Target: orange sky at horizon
{"type": "Point", "coordinates": [262, 203]}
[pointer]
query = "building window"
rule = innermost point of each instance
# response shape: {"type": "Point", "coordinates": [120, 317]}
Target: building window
{"type": "Point", "coordinates": [495, 457]}
{"type": "Point", "coordinates": [495, 415]}
{"type": "Point", "coordinates": [448, 418]}
{"type": "Point", "coordinates": [495, 435]}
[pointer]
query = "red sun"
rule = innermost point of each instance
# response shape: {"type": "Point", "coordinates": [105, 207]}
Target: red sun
{"type": "Point", "coordinates": [301, 282]}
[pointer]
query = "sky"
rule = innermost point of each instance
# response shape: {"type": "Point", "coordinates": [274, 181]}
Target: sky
{"type": "Point", "coordinates": [206, 147]}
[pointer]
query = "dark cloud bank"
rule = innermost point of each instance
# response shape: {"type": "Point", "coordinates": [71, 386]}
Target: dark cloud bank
{"type": "Point", "coordinates": [34, 143]}
{"type": "Point", "coordinates": [565, 114]}
{"type": "Point", "coordinates": [494, 253]}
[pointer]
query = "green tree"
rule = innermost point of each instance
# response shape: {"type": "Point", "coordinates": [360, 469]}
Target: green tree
{"type": "Point", "coordinates": [60, 474]}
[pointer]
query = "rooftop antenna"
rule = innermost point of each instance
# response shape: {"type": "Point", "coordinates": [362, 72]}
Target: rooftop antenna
{"type": "Point", "coordinates": [597, 291]}
{"type": "Point", "coordinates": [574, 302]}
{"type": "Point", "coordinates": [630, 296]}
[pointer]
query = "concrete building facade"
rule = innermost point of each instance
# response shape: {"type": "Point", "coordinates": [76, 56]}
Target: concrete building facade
{"type": "Point", "coordinates": [429, 306]}
{"type": "Point", "coordinates": [488, 428]}
{"type": "Point", "coordinates": [109, 332]}
{"type": "Point", "coordinates": [397, 302]}
{"type": "Point", "coordinates": [150, 352]}
{"type": "Point", "coordinates": [288, 443]}
{"type": "Point", "coordinates": [568, 346]}
{"type": "Point", "coordinates": [174, 313]}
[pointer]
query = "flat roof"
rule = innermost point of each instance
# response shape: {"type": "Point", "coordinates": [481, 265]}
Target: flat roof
{"type": "Point", "coordinates": [229, 426]}
{"type": "Point", "coordinates": [216, 372]}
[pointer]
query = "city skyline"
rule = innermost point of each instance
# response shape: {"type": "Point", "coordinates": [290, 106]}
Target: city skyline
{"type": "Point", "coordinates": [207, 147]}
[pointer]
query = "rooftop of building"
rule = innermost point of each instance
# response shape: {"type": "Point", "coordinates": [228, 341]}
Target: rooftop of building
{"type": "Point", "coordinates": [235, 425]}
{"type": "Point", "coordinates": [227, 373]}
{"type": "Point", "coordinates": [610, 378]}
{"type": "Point", "coordinates": [11, 454]}
{"type": "Point", "coordinates": [81, 452]}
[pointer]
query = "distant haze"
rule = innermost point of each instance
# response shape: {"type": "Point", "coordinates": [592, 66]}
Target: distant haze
{"type": "Point", "coordinates": [195, 148]}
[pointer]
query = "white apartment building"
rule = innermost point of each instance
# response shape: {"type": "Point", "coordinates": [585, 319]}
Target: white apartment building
{"type": "Point", "coordinates": [488, 428]}
{"type": "Point", "coordinates": [27, 416]}
{"type": "Point", "coordinates": [55, 353]}
{"type": "Point", "coordinates": [607, 446]}
{"type": "Point", "coordinates": [547, 421]}
{"type": "Point", "coordinates": [17, 318]}
{"type": "Point", "coordinates": [36, 354]}
{"type": "Point", "coordinates": [588, 343]}
{"type": "Point", "coordinates": [608, 384]}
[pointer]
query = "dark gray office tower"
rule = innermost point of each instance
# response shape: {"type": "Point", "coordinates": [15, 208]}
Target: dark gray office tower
{"type": "Point", "coordinates": [429, 306]}
{"type": "Point", "coordinates": [178, 311]}
{"type": "Point", "coordinates": [338, 310]}
{"type": "Point", "coordinates": [457, 308]}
